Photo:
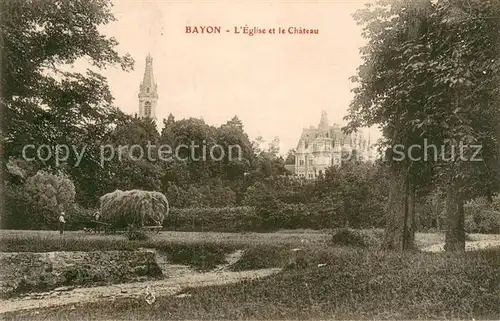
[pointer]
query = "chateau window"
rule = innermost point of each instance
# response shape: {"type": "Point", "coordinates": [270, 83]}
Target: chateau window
{"type": "Point", "coordinates": [147, 90]}
{"type": "Point", "coordinates": [147, 109]}
{"type": "Point", "coordinates": [301, 162]}
{"type": "Point", "coordinates": [310, 162]}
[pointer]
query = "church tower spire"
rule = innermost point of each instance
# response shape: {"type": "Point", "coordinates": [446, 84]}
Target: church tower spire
{"type": "Point", "coordinates": [323, 124]}
{"type": "Point", "coordinates": [148, 94]}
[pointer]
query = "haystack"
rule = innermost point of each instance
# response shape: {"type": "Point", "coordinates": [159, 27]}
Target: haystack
{"type": "Point", "coordinates": [135, 208]}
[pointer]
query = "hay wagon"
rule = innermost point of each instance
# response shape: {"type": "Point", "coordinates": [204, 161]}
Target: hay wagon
{"type": "Point", "coordinates": [133, 210]}
{"type": "Point", "coordinates": [100, 227]}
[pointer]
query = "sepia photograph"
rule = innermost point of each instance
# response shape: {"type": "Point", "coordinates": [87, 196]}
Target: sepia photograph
{"type": "Point", "coordinates": [250, 160]}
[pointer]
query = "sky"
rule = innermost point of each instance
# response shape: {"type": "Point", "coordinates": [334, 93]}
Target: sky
{"type": "Point", "coordinates": [277, 84]}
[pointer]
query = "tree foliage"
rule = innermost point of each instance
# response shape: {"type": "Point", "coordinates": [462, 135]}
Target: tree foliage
{"type": "Point", "coordinates": [49, 194]}
{"type": "Point", "coordinates": [430, 72]}
{"type": "Point", "coordinates": [44, 103]}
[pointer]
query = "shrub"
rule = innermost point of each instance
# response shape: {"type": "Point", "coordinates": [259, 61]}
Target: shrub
{"type": "Point", "coordinates": [18, 209]}
{"type": "Point", "coordinates": [37, 201]}
{"type": "Point", "coordinates": [290, 216]}
{"type": "Point", "coordinates": [136, 235]}
{"type": "Point", "coordinates": [488, 222]}
{"type": "Point", "coordinates": [482, 217]}
{"type": "Point", "coordinates": [259, 195]}
{"type": "Point", "coordinates": [261, 257]}
{"type": "Point", "coordinates": [51, 192]}
{"type": "Point", "coordinates": [356, 238]}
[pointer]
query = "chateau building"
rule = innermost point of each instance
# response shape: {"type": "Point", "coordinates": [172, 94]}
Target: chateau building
{"type": "Point", "coordinates": [325, 146]}
{"type": "Point", "coordinates": [148, 94]}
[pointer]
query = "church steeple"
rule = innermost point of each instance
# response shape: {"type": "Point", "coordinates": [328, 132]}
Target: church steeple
{"type": "Point", "coordinates": [323, 124]}
{"type": "Point", "coordinates": [148, 95]}
{"type": "Point", "coordinates": [149, 79]}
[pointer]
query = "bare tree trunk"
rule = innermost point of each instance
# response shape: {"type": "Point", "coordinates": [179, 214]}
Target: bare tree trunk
{"type": "Point", "coordinates": [347, 213]}
{"type": "Point", "coordinates": [455, 217]}
{"type": "Point", "coordinates": [409, 226]}
{"type": "Point", "coordinates": [400, 218]}
{"type": "Point", "coordinates": [455, 214]}
{"type": "Point", "coordinates": [438, 212]}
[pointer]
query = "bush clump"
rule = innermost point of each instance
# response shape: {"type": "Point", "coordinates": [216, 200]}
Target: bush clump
{"type": "Point", "coordinates": [356, 238]}
{"type": "Point", "coordinates": [136, 235]}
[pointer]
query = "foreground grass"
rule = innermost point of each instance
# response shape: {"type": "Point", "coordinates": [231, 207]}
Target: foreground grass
{"type": "Point", "coordinates": [351, 284]}
{"type": "Point", "coordinates": [355, 284]}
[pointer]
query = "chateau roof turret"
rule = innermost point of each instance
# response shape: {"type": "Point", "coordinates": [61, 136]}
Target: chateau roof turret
{"type": "Point", "coordinates": [325, 130]}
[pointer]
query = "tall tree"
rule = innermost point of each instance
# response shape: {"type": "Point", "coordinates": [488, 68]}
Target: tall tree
{"type": "Point", "coordinates": [274, 147]}
{"type": "Point", "coordinates": [389, 96]}
{"type": "Point", "coordinates": [43, 102]}
{"type": "Point", "coordinates": [429, 69]}
{"type": "Point", "coordinates": [465, 68]}
{"type": "Point", "coordinates": [239, 155]}
{"type": "Point", "coordinates": [132, 157]}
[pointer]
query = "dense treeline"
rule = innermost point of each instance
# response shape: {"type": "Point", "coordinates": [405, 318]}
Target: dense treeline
{"type": "Point", "coordinates": [258, 179]}
{"type": "Point", "coordinates": [254, 193]}
{"type": "Point", "coordinates": [422, 77]}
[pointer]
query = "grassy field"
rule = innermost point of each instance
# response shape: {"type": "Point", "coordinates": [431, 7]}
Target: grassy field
{"type": "Point", "coordinates": [11, 240]}
{"type": "Point", "coordinates": [351, 283]}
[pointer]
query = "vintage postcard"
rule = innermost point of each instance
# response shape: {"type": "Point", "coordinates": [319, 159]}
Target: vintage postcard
{"type": "Point", "coordinates": [250, 160]}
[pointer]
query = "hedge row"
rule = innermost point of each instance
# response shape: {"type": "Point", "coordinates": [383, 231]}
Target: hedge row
{"type": "Point", "coordinates": [246, 218]}
{"type": "Point", "coordinates": [225, 219]}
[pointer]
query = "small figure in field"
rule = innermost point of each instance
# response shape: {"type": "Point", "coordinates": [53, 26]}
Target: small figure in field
{"type": "Point", "coordinates": [62, 221]}
{"type": "Point", "coordinates": [97, 216]}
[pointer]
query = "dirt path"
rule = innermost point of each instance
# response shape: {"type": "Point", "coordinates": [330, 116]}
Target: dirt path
{"type": "Point", "coordinates": [130, 290]}
{"type": "Point", "coordinates": [469, 246]}
{"type": "Point", "coordinates": [179, 278]}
